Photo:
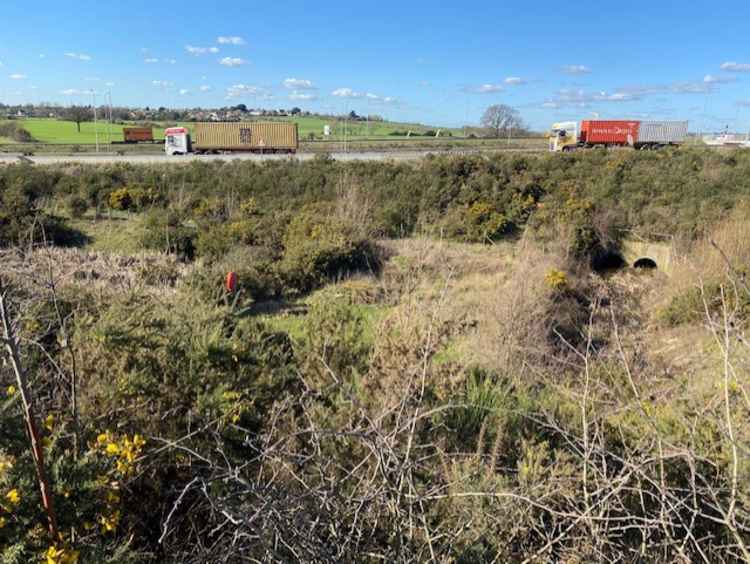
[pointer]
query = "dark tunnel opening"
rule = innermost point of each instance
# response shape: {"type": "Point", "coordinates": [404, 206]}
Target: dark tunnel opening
{"type": "Point", "coordinates": [607, 261]}
{"type": "Point", "coordinates": [645, 264]}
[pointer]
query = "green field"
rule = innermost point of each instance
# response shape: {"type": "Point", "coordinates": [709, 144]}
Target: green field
{"type": "Point", "coordinates": [358, 129]}
{"type": "Point", "coordinates": [59, 132]}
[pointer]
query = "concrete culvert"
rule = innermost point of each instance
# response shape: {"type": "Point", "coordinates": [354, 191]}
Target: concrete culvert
{"type": "Point", "coordinates": [608, 261]}
{"type": "Point", "coordinates": [645, 264]}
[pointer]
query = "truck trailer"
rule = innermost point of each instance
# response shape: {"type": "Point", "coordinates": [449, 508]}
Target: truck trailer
{"type": "Point", "coordinates": [233, 137]}
{"type": "Point", "coordinates": [641, 135]}
{"type": "Point", "coordinates": [137, 135]}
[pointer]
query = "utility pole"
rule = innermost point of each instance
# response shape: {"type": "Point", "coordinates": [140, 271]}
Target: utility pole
{"type": "Point", "coordinates": [96, 126]}
{"type": "Point", "coordinates": [109, 122]}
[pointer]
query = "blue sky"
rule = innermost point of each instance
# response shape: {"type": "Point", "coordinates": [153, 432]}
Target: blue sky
{"type": "Point", "coordinates": [437, 63]}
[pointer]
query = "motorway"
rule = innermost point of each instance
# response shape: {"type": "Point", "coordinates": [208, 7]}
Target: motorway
{"type": "Point", "coordinates": [109, 158]}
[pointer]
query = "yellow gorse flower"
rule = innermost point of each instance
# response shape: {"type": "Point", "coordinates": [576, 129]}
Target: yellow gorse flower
{"type": "Point", "coordinates": [56, 555]}
{"type": "Point", "coordinates": [109, 523]}
{"type": "Point", "coordinates": [13, 496]}
{"type": "Point", "coordinates": [5, 465]}
{"type": "Point", "coordinates": [49, 423]}
{"type": "Point", "coordinates": [10, 391]}
{"type": "Point", "coordinates": [3, 522]}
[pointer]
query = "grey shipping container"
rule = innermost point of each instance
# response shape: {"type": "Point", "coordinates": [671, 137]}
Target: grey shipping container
{"type": "Point", "coordinates": [662, 132]}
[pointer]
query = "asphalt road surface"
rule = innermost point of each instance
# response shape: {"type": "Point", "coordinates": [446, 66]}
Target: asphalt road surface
{"type": "Point", "coordinates": [151, 159]}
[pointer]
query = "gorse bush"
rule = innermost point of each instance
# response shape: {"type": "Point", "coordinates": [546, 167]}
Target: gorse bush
{"type": "Point", "coordinates": [476, 199]}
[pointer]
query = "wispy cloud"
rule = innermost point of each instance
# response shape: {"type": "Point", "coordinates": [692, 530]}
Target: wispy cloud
{"type": "Point", "coordinates": [576, 69]}
{"type": "Point", "coordinates": [736, 67]}
{"type": "Point", "coordinates": [712, 79]}
{"type": "Point", "coordinates": [484, 89]}
{"type": "Point", "coordinates": [205, 88]}
{"type": "Point", "coordinates": [299, 84]}
{"type": "Point", "coordinates": [79, 56]}
{"type": "Point", "coordinates": [74, 92]}
{"type": "Point", "coordinates": [232, 40]}
{"type": "Point", "coordinates": [515, 81]}
{"type": "Point", "coordinates": [198, 51]}
{"type": "Point", "coordinates": [380, 99]}
{"type": "Point", "coordinates": [346, 93]}
{"type": "Point", "coordinates": [692, 87]}
{"type": "Point", "coordinates": [18, 77]}
{"type": "Point", "coordinates": [240, 90]}
{"type": "Point", "coordinates": [578, 98]}
{"type": "Point", "coordinates": [154, 60]}
{"type": "Point", "coordinates": [162, 83]}
{"type": "Point", "coordinates": [232, 62]}
{"type": "Point", "coordinates": [303, 96]}
{"type": "Point", "coordinates": [184, 92]}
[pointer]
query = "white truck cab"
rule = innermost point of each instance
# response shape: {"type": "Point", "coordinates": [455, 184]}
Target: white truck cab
{"type": "Point", "coordinates": [563, 136]}
{"type": "Point", "coordinates": [177, 141]}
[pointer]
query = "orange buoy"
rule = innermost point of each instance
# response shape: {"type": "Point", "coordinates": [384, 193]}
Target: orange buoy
{"type": "Point", "coordinates": [231, 282]}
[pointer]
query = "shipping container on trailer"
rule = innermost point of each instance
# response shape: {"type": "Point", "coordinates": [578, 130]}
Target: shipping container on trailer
{"type": "Point", "coordinates": [249, 136]}
{"type": "Point", "coordinates": [658, 133]}
{"type": "Point", "coordinates": [607, 132]}
{"type": "Point", "coordinates": [137, 135]}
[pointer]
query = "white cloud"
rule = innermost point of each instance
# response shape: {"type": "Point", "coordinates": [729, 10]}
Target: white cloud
{"type": "Point", "coordinates": [484, 89]}
{"type": "Point", "coordinates": [711, 79]}
{"type": "Point", "coordinates": [162, 83]}
{"type": "Point", "coordinates": [170, 61]}
{"type": "Point", "coordinates": [299, 84]}
{"type": "Point", "coordinates": [151, 61]}
{"type": "Point", "coordinates": [736, 67]}
{"type": "Point", "coordinates": [568, 97]}
{"type": "Point", "coordinates": [79, 56]}
{"type": "Point", "coordinates": [205, 88]}
{"type": "Point", "coordinates": [515, 81]}
{"type": "Point", "coordinates": [234, 40]}
{"type": "Point", "coordinates": [232, 62]}
{"type": "Point", "coordinates": [73, 92]}
{"type": "Point", "coordinates": [303, 96]}
{"type": "Point", "coordinates": [240, 90]}
{"type": "Point", "coordinates": [576, 69]}
{"type": "Point", "coordinates": [197, 51]}
{"type": "Point", "coordinates": [184, 92]}
{"type": "Point", "coordinates": [692, 87]}
{"type": "Point", "coordinates": [110, 84]}
{"type": "Point", "coordinates": [345, 93]}
{"type": "Point", "coordinates": [17, 77]}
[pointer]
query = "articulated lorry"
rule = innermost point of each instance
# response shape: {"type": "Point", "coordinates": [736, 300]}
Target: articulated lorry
{"type": "Point", "coordinates": [641, 135]}
{"type": "Point", "coordinates": [233, 137]}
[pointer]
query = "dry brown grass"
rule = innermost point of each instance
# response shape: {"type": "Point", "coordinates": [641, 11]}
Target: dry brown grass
{"type": "Point", "coordinates": [93, 270]}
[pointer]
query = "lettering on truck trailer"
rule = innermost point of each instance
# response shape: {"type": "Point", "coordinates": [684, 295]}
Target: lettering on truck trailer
{"type": "Point", "coordinates": [614, 130]}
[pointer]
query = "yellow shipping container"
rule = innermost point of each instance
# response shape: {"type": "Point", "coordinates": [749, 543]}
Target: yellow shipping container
{"type": "Point", "coordinates": [252, 136]}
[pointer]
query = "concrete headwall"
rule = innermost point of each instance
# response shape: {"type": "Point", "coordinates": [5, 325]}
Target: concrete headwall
{"type": "Point", "coordinates": [660, 253]}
